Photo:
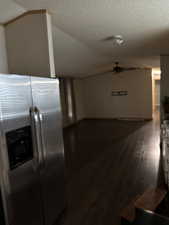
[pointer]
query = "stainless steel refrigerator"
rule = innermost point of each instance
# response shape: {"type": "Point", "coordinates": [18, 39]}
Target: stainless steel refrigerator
{"type": "Point", "coordinates": [31, 150]}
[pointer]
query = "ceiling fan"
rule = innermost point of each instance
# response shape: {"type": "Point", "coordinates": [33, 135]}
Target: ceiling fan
{"type": "Point", "coordinates": [116, 70]}
{"type": "Point", "coordinates": [120, 69]}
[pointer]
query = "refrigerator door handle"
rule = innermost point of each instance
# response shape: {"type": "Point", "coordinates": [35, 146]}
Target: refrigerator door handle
{"type": "Point", "coordinates": [35, 136]}
{"type": "Point", "coordinates": [41, 135]}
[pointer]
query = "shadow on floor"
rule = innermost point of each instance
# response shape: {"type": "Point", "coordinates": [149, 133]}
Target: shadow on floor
{"type": "Point", "coordinates": [109, 162]}
{"type": "Point", "coordinates": [86, 140]}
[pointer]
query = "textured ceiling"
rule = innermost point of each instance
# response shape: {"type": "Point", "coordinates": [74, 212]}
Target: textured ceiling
{"type": "Point", "coordinates": [143, 24]}
{"type": "Point", "coordinates": [9, 10]}
{"type": "Point", "coordinates": [72, 57]}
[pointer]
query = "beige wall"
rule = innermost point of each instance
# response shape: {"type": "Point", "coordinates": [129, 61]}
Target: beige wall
{"type": "Point", "coordinates": [29, 51]}
{"type": "Point", "coordinates": [164, 60]}
{"type": "Point", "coordinates": [3, 53]}
{"type": "Point", "coordinates": [99, 103]}
{"type": "Point", "coordinates": [79, 99]}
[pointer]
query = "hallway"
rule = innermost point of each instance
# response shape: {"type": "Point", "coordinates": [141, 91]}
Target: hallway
{"type": "Point", "coordinates": [109, 162]}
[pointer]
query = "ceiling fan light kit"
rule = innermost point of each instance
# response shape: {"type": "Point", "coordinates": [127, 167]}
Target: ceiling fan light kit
{"type": "Point", "coordinates": [115, 39]}
{"type": "Point", "coordinates": [118, 40]}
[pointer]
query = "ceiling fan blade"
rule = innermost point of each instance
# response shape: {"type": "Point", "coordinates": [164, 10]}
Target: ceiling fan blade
{"type": "Point", "coordinates": [118, 70]}
{"type": "Point", "coordinates": [110, 38]}
{"type": "Point", "coordinates": [132, 68]}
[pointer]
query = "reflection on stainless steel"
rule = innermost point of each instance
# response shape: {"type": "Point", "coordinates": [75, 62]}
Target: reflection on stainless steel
{"type": "Point", "coordinates": [33, 191]}
{"type": "Point", "coordinates": [46, 97]}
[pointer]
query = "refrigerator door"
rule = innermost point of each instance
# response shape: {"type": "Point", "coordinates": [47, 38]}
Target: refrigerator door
{"type": "Point", "coordinates": [20, 183]}
{"type": "Point", "coordinates": [46, 100]}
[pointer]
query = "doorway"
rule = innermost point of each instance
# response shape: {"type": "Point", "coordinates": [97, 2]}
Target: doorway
{"type": "Point", "coordinates": [157, 94]}
{"type": "Point", "coordinates": [156, 78]}
{"type": "Point", "coordinates": [67, 101]}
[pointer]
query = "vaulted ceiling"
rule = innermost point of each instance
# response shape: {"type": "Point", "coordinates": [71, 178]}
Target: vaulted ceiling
{"type": "Point", "coordinates": [79, 26]}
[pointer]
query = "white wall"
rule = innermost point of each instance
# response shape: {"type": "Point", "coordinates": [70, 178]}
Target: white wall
{"type": "Point", "coordinates": [99, 103]}
{"type": "Point", "coordinates": [3, 53]}
{"type": "Point", "coordinates": [28, 45]}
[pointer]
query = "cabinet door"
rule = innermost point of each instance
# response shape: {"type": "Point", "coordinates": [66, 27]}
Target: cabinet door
{"type": "Point", "coordinates": [46, 100]}
{"type": "Point", "coordinates": [20, 183]}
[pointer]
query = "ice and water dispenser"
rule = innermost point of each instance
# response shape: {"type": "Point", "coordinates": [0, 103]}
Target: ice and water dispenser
{"type": "Point", "coordinates": [19, 144]}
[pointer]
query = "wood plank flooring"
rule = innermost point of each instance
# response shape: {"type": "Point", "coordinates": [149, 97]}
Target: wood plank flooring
{"type": "Point", "coordinates": [109, 163]}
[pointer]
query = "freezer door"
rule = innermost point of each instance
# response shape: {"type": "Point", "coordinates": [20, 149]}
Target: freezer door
{"type": "Point", "coordinates": [46, 100]}
{"type": "Point", "coordinates": [20, 183]}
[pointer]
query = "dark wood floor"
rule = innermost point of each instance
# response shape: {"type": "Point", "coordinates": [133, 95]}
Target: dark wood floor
{"type": "Point", "coordinates": [108, 163]}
